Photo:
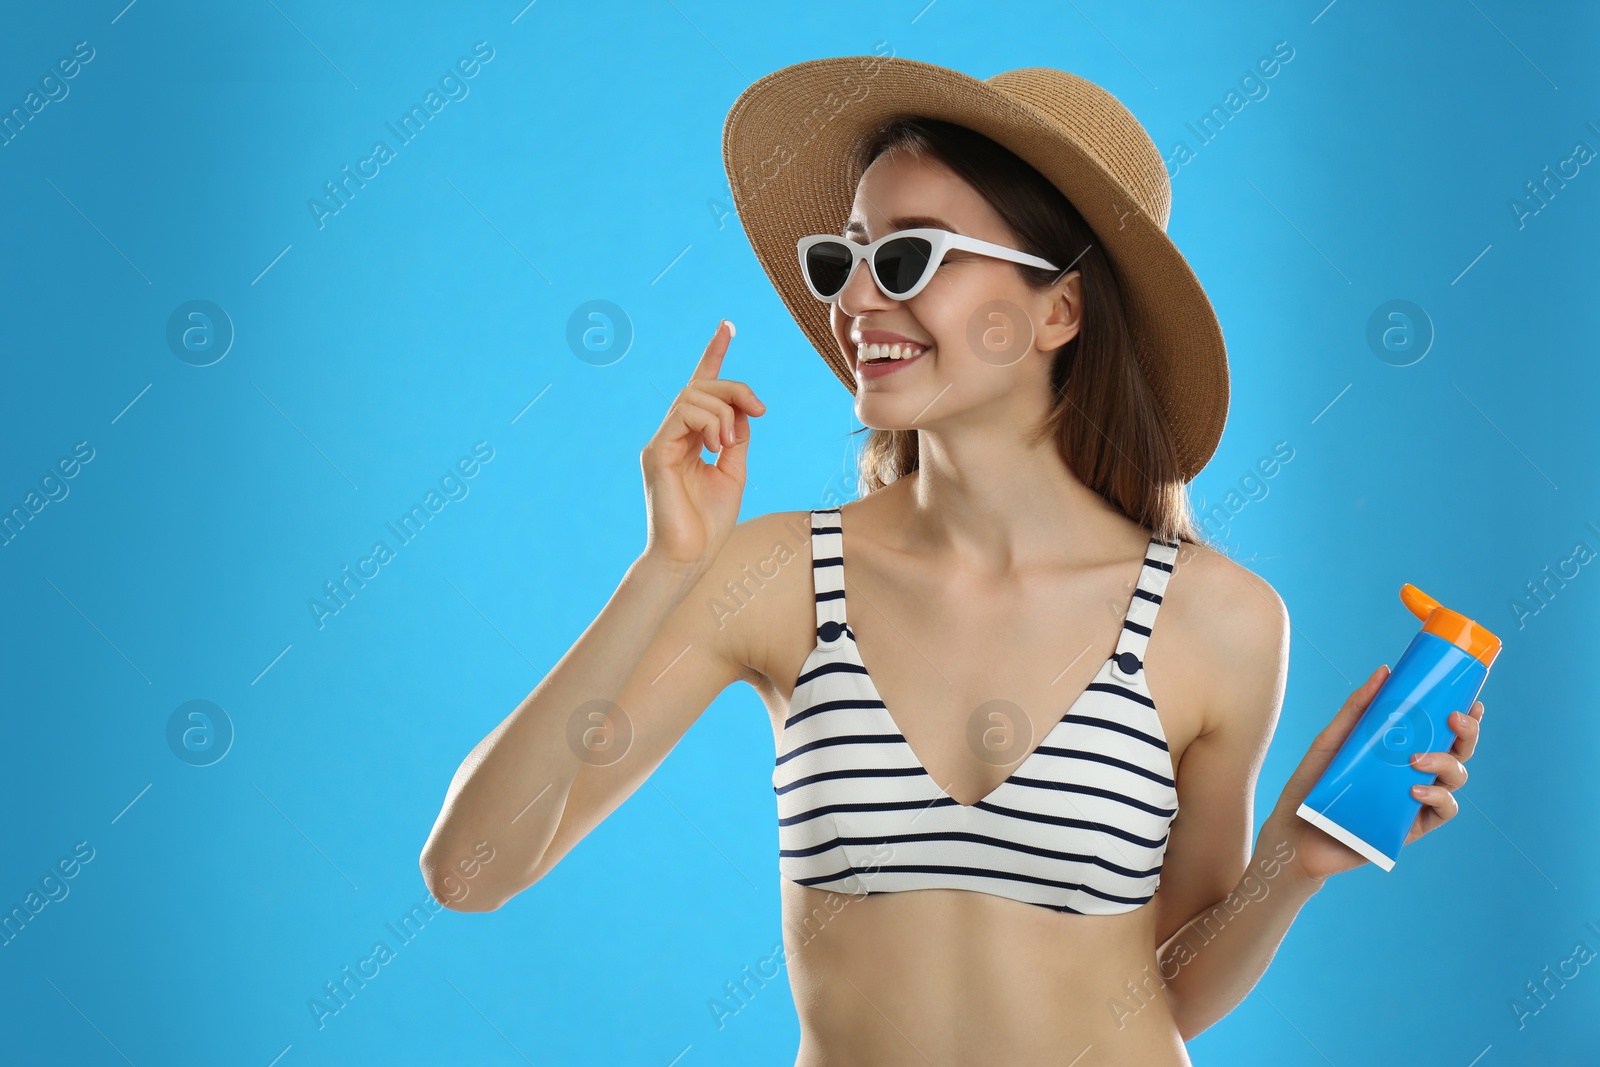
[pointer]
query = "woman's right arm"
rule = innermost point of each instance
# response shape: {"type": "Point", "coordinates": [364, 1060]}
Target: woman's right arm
{"type": "Point", "coordinates": [606, 715]}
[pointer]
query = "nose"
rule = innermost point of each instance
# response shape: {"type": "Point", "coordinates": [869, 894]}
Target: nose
{"type": "Point", "coordinates": [861, 293]}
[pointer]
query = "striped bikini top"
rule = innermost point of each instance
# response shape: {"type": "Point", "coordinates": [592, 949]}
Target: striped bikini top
{"type": "Point", "coordinates": [1080, 826]}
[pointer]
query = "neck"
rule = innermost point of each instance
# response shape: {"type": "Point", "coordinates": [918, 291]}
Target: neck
{"type": "Point", "coordinates": [993, 500]}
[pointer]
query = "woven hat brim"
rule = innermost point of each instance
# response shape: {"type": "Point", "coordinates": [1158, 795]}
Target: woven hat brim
{"type": "Point", "coordinates": [789, 146]}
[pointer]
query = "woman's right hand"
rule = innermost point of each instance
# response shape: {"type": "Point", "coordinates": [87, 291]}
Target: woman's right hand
{"type": "Point", "coordinates": [692, 506]}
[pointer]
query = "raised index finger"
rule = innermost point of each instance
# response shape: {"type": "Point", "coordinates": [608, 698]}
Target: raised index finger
{"type": "Point", "coordinates": [710, 364]}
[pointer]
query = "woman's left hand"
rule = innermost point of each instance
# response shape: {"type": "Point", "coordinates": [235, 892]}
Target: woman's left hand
{"type": "Point", "coordinates": [1319, 855]}
{"type": "Point", "coordinates": [1450, 773]}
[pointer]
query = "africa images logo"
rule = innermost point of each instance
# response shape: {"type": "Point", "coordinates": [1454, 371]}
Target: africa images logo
{"type": "Point", "coordinates": [454, 87]}
{"type": "Point", "coordinates": [452, 486]}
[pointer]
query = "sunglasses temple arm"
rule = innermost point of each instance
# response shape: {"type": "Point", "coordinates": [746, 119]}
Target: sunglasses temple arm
{"type": "Point", "coordinates": [1068, 268]}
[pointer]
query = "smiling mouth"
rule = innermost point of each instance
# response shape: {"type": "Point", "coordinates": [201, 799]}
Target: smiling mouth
{"type": "Point", "coordinates": [877, 355]}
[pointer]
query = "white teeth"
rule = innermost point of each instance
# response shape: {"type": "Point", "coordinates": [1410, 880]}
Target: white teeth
{"type": "Point", "coordinates": [868, 352]}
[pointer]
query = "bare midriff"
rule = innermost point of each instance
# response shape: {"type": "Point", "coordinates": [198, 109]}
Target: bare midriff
{"type": "Point", "coordinates": [952, 977]}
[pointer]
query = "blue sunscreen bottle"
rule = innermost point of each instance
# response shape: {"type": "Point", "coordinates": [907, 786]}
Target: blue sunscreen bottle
{"type": "Point", "coordinates": [1364, 797]}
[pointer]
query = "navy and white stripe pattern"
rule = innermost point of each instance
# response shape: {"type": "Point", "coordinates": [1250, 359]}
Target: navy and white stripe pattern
{"type": "Point", "coordinates": [1080, 826]}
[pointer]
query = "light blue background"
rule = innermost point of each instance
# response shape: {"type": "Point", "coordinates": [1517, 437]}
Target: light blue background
{"type": "Point", "coordinates": [428, 314]}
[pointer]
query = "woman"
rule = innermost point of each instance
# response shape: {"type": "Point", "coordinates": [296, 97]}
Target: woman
{"type": "Point", "coordinates": [970, 872]}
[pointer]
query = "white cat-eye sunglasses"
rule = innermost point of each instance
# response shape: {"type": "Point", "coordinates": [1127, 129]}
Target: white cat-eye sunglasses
{"type": "Point", "coordinates": [902, 263]}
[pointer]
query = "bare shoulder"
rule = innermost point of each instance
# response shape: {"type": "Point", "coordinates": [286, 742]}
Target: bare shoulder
{"type": "Point", "coordinates": [1235, 604]}
{"type": "Point", "coordinates": [758, 592]}
{"type": "Point", "coordinates": [1238, 628]}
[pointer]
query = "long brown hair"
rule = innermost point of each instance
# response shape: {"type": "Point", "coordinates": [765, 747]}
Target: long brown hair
{"type": "Point", "coordinates": [1105, 418]}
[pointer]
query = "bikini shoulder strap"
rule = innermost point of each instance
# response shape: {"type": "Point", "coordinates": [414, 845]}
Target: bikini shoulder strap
{"type": "Point", "coordinates": [827, 573]}
{"type": "Point", "coordinates": [1159, 559]}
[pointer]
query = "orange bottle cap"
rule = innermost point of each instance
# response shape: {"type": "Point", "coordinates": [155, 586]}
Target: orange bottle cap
{"type": "Point", "coordinates": [1451, 625]}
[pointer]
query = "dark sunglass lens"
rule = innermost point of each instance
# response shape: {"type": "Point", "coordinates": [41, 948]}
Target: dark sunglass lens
{"type": "Point", "coordinates": [828, 265]}
{"type": "Point", "coordinates": [901, 262]}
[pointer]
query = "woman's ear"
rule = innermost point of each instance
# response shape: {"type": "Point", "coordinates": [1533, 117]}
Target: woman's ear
{"type": "Point", "coordinates": [1063, 315]}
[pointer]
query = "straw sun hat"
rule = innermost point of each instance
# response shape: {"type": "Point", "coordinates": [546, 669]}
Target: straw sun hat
{"type": "Point", "coordinates": [789, 147]}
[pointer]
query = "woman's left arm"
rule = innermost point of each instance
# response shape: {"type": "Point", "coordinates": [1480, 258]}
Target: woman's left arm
{"type": "Point", "coordinates": [1228, 913]}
